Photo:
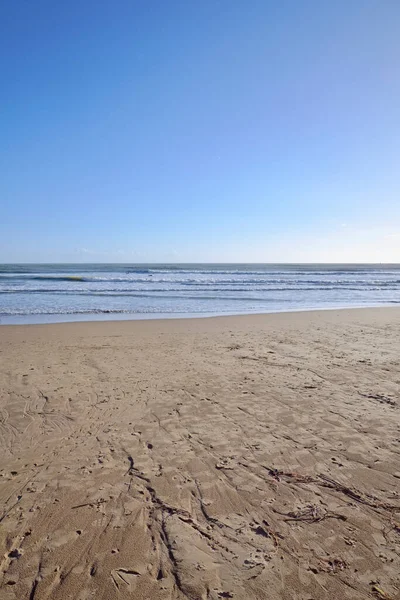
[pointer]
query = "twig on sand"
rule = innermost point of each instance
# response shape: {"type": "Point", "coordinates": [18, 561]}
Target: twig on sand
{"type": "Point", "coordinates": [329, 565]}
{"type": "Point", "coordinates": [382, 399]}
{"type": "Point", "coordinates": [355, 495]}
{"type": "Point", "coordinates": [325, 481]}
{"type": "Point", "coordinates": [289, 476]}
{"type": "Point", "coordinates": [380, 594]}
{"type": "Point", "coordinates": [311, 514]}
{"type": "Point", "coordinates": [95, 503]}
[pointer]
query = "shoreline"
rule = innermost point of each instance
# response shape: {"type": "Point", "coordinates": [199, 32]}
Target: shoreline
{"type": "Point", "coordinates": [146, 317]}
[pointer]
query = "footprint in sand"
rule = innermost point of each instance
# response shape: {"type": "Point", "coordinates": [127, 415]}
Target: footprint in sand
{"type": "Point", "coordinates": [61, 537]}
{"type": "Point", "coordinates": [124, 578]}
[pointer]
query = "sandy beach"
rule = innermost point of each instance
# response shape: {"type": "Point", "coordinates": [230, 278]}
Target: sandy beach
{"type": "Point", "coordinates": [251, 457]}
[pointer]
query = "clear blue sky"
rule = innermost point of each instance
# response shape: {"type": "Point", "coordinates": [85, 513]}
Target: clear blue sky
{"type": "Point", "coordinates": [207, 130]}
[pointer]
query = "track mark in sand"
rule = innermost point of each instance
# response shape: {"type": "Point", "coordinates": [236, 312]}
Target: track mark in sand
{"type": "Point", "coordinates": [134, 472]}
{"type": "Point", "coordinates": [131, 469]}
{"type": "Point", "coordinates": [203, 508]}
{"type": "Point", "coordinates": [381, 398]}
{"type": "Point", "coordinates": [33, 589]}
{"type": "Point", "coordinates": [124, 576]}
{"type": "Point", "coordinates": [172, 559]}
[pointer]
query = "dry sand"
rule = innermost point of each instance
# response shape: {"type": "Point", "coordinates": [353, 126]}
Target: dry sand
{"type": "Point", "coordinates": [244, 457]}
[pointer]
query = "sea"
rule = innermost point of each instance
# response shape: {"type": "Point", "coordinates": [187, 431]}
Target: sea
{"type": "Point", "coordinates": [42, 293]}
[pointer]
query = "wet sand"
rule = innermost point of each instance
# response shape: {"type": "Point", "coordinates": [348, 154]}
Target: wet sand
{"type": "Point", "coordinates": [251, 457]}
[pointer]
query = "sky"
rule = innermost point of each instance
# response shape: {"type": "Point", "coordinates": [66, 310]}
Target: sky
{"type": "Point", "coordinates": [200, 131]}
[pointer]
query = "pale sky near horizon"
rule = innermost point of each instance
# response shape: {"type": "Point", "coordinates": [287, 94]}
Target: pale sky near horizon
{"type": "Point", "coordinates": [188, 131]}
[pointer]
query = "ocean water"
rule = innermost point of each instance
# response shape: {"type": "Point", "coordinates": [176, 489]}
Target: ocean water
{"type": "Point", "coordinates": [45, 293]}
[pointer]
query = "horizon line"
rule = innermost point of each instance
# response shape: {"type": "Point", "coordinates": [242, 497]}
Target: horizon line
{"type": "Point", "coordinates": [197, 263]}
